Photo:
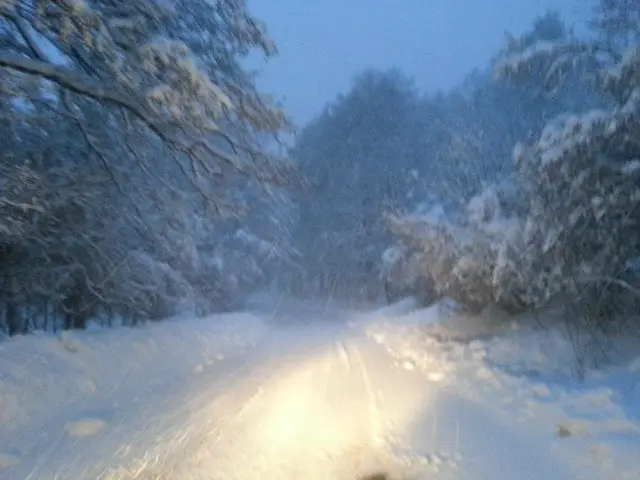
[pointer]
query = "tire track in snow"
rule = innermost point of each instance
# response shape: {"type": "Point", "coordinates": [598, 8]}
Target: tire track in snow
{"type": "Point", "coordinates": [343, 354]}
{"type": "Point", "coordinates": [374, 413]}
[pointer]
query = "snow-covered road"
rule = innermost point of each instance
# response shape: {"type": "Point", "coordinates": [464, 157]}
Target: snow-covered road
{"type": "Point", "coordinates": [313, 400]}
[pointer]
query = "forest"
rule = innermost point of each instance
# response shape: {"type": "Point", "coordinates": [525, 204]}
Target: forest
{"type": "Point", "coordinates": [143, 174]}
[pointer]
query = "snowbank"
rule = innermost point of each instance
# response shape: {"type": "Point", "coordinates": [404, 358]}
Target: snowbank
{"type": "Point", "coordinates": [67, 384]}
{"type": "Point", "coordinates": [526, 379]}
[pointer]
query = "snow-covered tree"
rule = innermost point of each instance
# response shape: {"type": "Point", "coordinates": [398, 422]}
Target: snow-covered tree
{"type": "Point", "coordinates": [130, 133]}
{"type": "Point", "coordinates": [471, 136]}
{"type": "Point", "coordinates": [574, 226]}
{"type": "Point", "coordinates": [583, 172]}
{"type": "Point", "coordinates": [357, 164]}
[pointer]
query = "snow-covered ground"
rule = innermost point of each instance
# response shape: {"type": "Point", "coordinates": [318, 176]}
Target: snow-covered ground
{"type": "Point", "coordinates": [316, 393]}
{"type": "Point", "coordinates": [57, 392]}
{"type": "Point", "coordinates": [526, 380]}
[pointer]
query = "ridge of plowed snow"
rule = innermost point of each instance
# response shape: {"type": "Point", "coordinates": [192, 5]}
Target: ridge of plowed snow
{"type": "Point", "coordinates": [526, 379]}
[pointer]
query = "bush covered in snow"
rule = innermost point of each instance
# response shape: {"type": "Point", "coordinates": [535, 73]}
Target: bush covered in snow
{"type": "Point", "coordinates": [404, 276]}
{"type": "Point", "coordinates": [473, 256]}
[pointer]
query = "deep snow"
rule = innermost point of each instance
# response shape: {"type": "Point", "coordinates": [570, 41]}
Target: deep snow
{"type": "Point", "coordinates": [314, 392]}
{"type": "Point", "coordinates": [526, 379]}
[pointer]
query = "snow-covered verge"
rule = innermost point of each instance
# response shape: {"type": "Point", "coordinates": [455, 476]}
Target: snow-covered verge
{"type": "Point", "coordinates": [72, 385]}
{"type": "Point", "coordinates": [525, 379]}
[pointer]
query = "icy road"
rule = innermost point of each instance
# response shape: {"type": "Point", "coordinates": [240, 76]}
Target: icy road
{"type": "Point", "coordinates": [318, 399]}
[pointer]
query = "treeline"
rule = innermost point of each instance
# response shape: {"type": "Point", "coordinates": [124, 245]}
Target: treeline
{"type": "Point", "coordinates": [519, 189]}
{"type": "Point", "coordinates": [386, 148]}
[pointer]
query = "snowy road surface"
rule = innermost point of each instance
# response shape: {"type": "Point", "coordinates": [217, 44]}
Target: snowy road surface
{"type": "Point", "coordinates": [319, 400]}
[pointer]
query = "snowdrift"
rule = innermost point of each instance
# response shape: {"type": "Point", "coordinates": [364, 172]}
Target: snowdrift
{"type": "Point", "coordinates": [524, 377]}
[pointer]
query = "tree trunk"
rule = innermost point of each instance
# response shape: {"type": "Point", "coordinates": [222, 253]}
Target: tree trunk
{"type": "Point", "coordinates": [74, 316]}
{"type": "Point", "coordinates": [15, 324]}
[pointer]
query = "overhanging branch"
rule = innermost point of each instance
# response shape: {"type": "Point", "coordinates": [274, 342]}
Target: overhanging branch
{"type": "Point", "coordinates": [88, 87]}
{"type": "Point", "coordinates": [78, 84]}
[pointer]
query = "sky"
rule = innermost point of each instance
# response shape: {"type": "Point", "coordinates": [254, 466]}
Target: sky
{"type": "Point", "coordinates": [323, 44]}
